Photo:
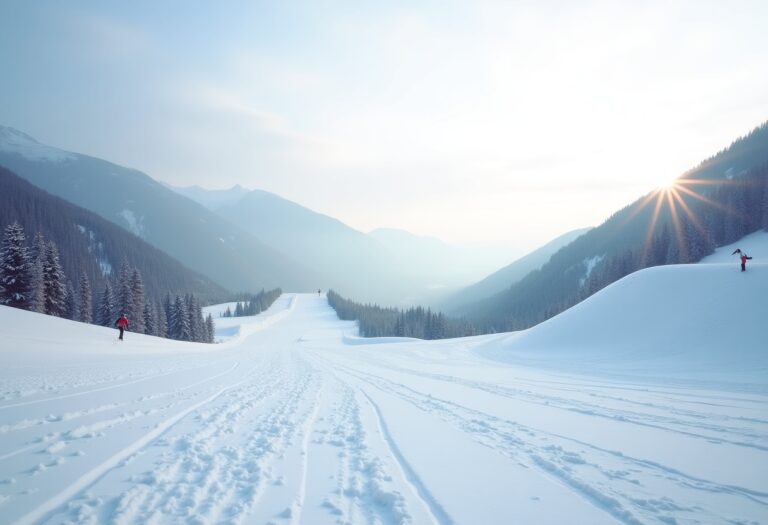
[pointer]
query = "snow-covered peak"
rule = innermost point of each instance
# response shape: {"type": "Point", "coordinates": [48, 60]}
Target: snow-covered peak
{"type": "Point", "coordinates": [15, 141]}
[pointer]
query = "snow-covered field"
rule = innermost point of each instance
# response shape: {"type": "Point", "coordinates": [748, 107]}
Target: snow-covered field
{"type": "Point", "coordinates": [634, 407]}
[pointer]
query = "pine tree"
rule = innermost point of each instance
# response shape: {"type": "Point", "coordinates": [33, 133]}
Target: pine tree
{"type": "Point", "coordinates": [137, 301]}
{"type": "Point", "coordinates": [54, 282]}
{"type": "Point", "coordinates": [195, 318]}
{"type": "Point", "coordinates": [124, 292]}
{"type": "Point", "coordinates": [70, 302]}
{"type": "Point", "coordinates": [210, 329]}
{"type": "Point", "coordinates": [37, 258]}
{"type": "Point", "coordinates": [107, 315]}
{"type": "Point", "coordinates": [15, 275]}
{"type": "Point", "coordinates": [85, 304]}
{"type": "Point", "coordinates": [167, 307]}
{"type": "Point", "coordinates": [150, 324]}
{"type": "Point", "coordinates": [179, 326]}
{"type": "Point", "coordinates": [162, 322]}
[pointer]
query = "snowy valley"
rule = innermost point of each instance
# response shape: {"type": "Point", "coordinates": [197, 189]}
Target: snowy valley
{"type": "Point", "coordinates": [633, 407]}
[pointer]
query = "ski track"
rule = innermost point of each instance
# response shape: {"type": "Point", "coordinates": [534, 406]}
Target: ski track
{"type": "Point", "coordinates": [288, 427]}
{"type": "Point", "coordinates": [555, 455]}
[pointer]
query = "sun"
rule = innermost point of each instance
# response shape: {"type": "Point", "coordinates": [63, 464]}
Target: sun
{"type": "Point", "coordinates": [667, 184]}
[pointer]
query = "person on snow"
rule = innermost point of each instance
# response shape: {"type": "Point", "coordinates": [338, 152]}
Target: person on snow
{"type": "Point", "coordinates": [744, 258]}
{"type": "Point", "coordinates": [318, 291]}
{"type": "Point", "coordinates": [121, 324]}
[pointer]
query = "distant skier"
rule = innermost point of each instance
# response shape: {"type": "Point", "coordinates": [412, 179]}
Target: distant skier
{"type": "Point", "coordinates": [744, 258]}
{"type": "Point", "coordinates": [121, 324]}
{"type": "Point", "coordinates": [318, 291]}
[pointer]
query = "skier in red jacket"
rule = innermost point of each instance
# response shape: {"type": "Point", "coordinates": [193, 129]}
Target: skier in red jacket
{"type": "Point", "coordinates": [121, 324]}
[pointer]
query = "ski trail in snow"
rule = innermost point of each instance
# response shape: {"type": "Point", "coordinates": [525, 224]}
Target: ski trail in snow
{"type": "Point", "coordinates": [557, 461]}
{"type": "Point", "coordinates": [306, 430]}
{"type": "Point", "coordinates": [119, 385]}
{"type": "Point", "coordinates": [88, 478]}
{"type": "Point", "coordinates": [436, 512]}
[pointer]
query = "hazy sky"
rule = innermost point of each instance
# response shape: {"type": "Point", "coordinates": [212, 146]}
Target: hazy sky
{"type": "Point", "coordinates": [509, 121]}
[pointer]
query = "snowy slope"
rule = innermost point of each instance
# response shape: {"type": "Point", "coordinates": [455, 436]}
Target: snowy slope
{"type": "Point", "coordinates": [755, 245]}
{"type": "Point", "coordinates": [702, 322]}
{"type": "Point", "coordinates": [285, 423]}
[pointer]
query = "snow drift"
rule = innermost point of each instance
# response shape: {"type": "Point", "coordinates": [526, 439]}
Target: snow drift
{"type": "Point", "coordinates": [704, 321]}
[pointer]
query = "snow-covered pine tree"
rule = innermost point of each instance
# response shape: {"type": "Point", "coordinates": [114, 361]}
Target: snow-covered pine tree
{"type": "Point", "coordinates": [37, 258]}
{"type": "Point", "coordinates": [85, 304]}
{"type": "Point", "coordinates": [15, 276]}
{"type": "Point", "coordinates": [137, 305]}
{"type": "Point", "coordinates": [162, 322]}
{"type": "Point", "coordinates": [179, 326]}
{"type": "Point", "coordinates": [210, 330]}
{"type": "Point", "coordinates": [54, 282]}
{"type": "Point", "coordinates": [124, 293]}
{"type": "Point", "coordinates": [150, 322]}
{"type": "Point", "coordinates": [194, 316]}
{"type": "Point", "coordinates": [167, 309]}
{"type": "Point", "coordinates": [70, 302]}
{"type": "Point", "coordinates": [107, 315]}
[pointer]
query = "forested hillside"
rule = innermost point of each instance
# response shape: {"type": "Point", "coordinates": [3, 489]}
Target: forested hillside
{"type": "Point", "coordinates": [92, 245]}
{"type": "Point", "coordinates": [715, 204]}
{"type": "Point", "coordinates": [175, 224]}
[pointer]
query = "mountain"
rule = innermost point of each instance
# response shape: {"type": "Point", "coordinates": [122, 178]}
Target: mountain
{"type": "Point", "coordinates": [723, 199]}
{"type": "Point", "coordinates": [408, 268]}
{"type": "Point", "coordinates": [343, 258]}
{"type": "Point", "coordinates": [461, 302]}
{"type": "Point", "coordinates": [443, 267]}
{"type": "Point", "coordinates": [90, 243]}
{"type": "Point", "coordinates": [211, 199]}
{"type": "Point", "coordinates": [175, 224]}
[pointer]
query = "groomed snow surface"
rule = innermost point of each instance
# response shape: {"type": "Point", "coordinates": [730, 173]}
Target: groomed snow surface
{"type": "Point", "coordinates": [634, 407]}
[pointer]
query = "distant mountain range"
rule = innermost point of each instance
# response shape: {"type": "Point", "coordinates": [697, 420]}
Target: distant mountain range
{"type": "Point", "coordinates": [91, 244]}
{"type": "Point", "coordinates": [463, 302]}
{"type": "Point", "coordinates": [184, 229]}
{"type": "Point", "coordinates": [387, 266]}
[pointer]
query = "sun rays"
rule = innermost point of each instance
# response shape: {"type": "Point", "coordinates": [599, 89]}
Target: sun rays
{"type": "Point", "coordinates": [675, 200]}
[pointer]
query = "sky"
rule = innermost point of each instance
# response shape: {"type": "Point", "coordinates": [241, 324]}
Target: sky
{"type": "Point", "coordinates": [509, 122]}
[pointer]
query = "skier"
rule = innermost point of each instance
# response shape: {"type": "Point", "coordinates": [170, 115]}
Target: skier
{"type": "Point", "coordinates": [121, 324]}
{"type": "Point", "coordinates": [744, 258]}
{"type": "Point", "coordinates": [318, 291]}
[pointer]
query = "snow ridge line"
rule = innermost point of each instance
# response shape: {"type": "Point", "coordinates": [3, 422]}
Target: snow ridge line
{"type": "Point", "coordinates": [435, 510]}
{"type": "Point", "coordinates": [94, 474]}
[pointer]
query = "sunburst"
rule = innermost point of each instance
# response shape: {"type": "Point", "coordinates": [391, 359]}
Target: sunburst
{"type": "Point", "coordinates": [671, 197]}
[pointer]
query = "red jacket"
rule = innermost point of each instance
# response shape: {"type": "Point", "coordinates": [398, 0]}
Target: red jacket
{"type": "Point", "coordinates": [122, 322]}
{"type": "Point", "coordinates": [744, 258]}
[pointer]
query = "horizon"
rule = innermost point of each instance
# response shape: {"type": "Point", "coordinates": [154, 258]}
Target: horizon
{"type": "Point", "coordinates": [491, 123]}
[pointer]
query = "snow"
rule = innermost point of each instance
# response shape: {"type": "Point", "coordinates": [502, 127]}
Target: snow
{"type": "Point", "coordinates": [629, 408]}
{"type": "Point", "coordinates": [590, 265]}
{"type": "Point", "coordinates": [134, 225]}
{"type": "Point", "coordinates": [14, 141]}
{"type": "Point", "coordinates": [755, 245]}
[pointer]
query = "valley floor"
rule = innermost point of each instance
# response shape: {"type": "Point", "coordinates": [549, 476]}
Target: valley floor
{"type": "Point", "coordinates": [290, 423]}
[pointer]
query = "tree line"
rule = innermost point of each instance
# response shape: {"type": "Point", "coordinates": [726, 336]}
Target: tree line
{"type": "Point", "coordinates": [376, 321]}
{"type": "Point", "coordinates": [32, 278]}
{"type": "Point", "coordinates": [253, 304]}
